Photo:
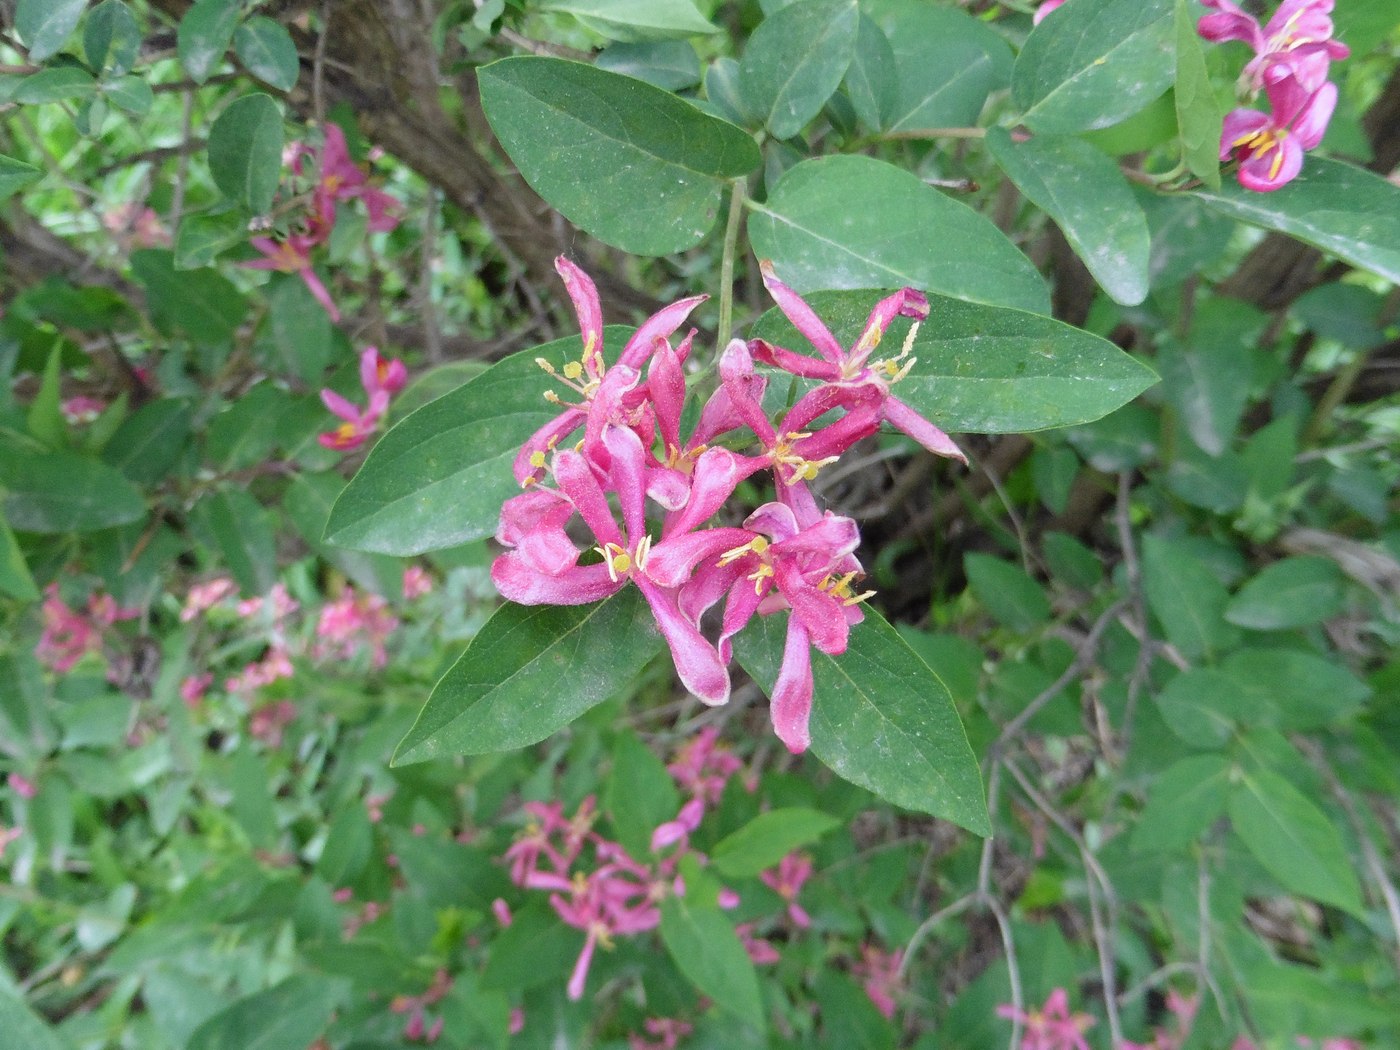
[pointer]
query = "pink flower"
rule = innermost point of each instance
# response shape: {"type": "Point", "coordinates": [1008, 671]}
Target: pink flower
{"type": "Point", "coordinates": [1051, 1027]}
{"type": "Point", "coordinates": [380, 373]}
{"type": "Point", "coordinates": [881, 972]}
{"type": "Point", "coordinates": [268, 722]}
{"type": "Point", "coordinates": [1044, 9]}
{"type": "Point", "coordinates": [276, 606]}
{"type": "Point", "coordinates": [21, 786]}
{"type": "Point", "coordinates": [760, 952]}
{"type": "Point", "coordinates": [8, 835]}
{"type": "Point", "coordinates": [666, 1031]}
{"type": "Point", "coordinates": [416, 582]}
{"type": "Point", "coordinates": [501, 910]}
{"type": "Point", "coordinates": [352, 621]}
{"type": "Point", "coordinates": [274, 665]}
{"type": "Point", "coordinates": [82, 409]}
{"type": "Point", "coordinates": [702, 766]}
{"type": "Point", "coordinates": [204, 596]}
{"type": "Point", "coordinates": [517, 1021]}
{"type": "Point", "coordinates": [1300, 33]}
{"type": "Point", "coordinates": [193, 688]}
{"type": "Point", "coordinates": [381, 379]}
{"type": "Point", "coordinates": [293, 255]}
{"type": "Point", "coordinates": [340, 178]}
{"type": "Point", "coordinates": [1270, 146]}
{"type": "Point", "coordinates": [69, 635]}
{"type": "Point", "coordinates": [786, 881]}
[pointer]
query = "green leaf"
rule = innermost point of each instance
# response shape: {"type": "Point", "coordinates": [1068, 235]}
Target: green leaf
{"type": "Point", "coordinates": [767, 839]}
{"type": "Point", "coordinates": [15, 175]}
{"type": "Point", "coordinates": [795, 61]}
{"type": "Point", "coordinates": [287, 1016]}
{"type": "Point", "coordinates": [1186, 598]}
{"type": "Point", "coordinates": [706, 949]}
{"type": "Point", "coordinates": [15, 579]}
{"type": "Point", "coordinates": [46, 25]}
{"type": "Point", "coordinates": [872, 80]}
{"type": "Point", "coordinates": [882, 719]}
{"type": "Point", "coordinates": [536, 948]}
{"type": "Point", "coordinates": [1291, 689]}
{"type": "Point", "coordinates": [641, 794]}
{"type": "Point", "coordinates": [1293, 840]}
{"type": "Point", "coordinates": [1208, 379]}
{"type": "Point", "coordinates": [1089, 199]}
{"type": "Point", "coordinates": [631, 164]}
{"type": "Point", "coordinates": [56, 84]}
{"type": "Point", "coordinates": [1099, 62]}
{"type": "Point", "coordinates": [203, 303]}
{"type": "Point", "coordinates": [1011, 596]}
{"type": "Point", "coordinates": [203, 238]}
{"type": "Point", "coordinates": [245, 151]}
{"type": "Point", "coordinates": [112, 32]}
{"type": "Point", "coordinates": [1182, 803]}
{"type": "Point", "coordinates": [45, 420]}
{"type": "Point", "coordinates": [530, 671]}
{"type": "Point", "coordinates": [130, 94]}
{"type": "Point", "coordinates": [23, 1028]}
{"type": "Point", "coordinates": [439, 477]}
{"type": "Point", "coordinates": [1294, 592]}
{"type": "Point", "coordinates": [61, 492]}
{"type": "Point", "coordinates": [636, 21]}
{"type": "Point", "coordinates": [308, 504]}
{"type": "Point", "coordinates": [266, 48]}
{"type": "Point", "coordinates": [234, 524]}
{"type": "Point", "coordinates": [1197, 111]}
{"type": "Point", "coordinates": [947, 62]}
{"type": "Point", "coordinates": [150, 441]}
{"type": "Point", "coordinates": [671, 65]}
{"type": "Point", "coordinates": [980, 369]}
{"type": "Point", "coordinates": [857, 222]}
{"type": "Point", "coordinates": [204, 36]}
{"type": "Point", "coordinates": [1340, 208]}
{"type": "Point", "coordinates": [1199, 706]}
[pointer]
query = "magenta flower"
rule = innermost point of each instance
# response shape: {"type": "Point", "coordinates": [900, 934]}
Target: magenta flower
{"type": "Point", "coordinates": [354, 621]}
{"type": "Point", "coordinates": [381, 379]}
{"type": "Point", "coordinates": [702, 766]}
{"type": "Point", "coordinates": [1044, 9]}
{"type": "Point", "coordinates": [853, 375]}
{"type": "Point", "coordinates": [759, 951]}
{"type": "Point", "coordinates": [293, 255]}
{"type": "Point", "coordinates": [786, 881]}
{"type": "Point", "coordinates": [882, 981]}
{"type": "Point", "coordinates": [1270, 146]}
{"type": "Point", "coordinates": [340, 178]}
{"type": "Point", "coordinates": [1300, 32]}
{"type": "Point", "coordinates": [666, 1031]}
{"type": "Point", "coordinates": [1052, 1027]}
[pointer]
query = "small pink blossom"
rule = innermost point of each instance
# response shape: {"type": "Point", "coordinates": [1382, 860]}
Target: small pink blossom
{"type": "Point", "coordinates": [204, 596]}
{"type": "Point", "coordinates": [517, 1021]}
{"type": "Point", "coordinates": [8, 835]}
{"type": "Point", "coordinates": [21, 786]}
{"type": "Point", "coordinates": [665, 1034]}
{"type": "Point", "coordinates": [760, 952]}
{"type": "Point", "coordinates": [1044, 9]}
{"type": "Point", "coordinates": [353, 621]}
{"type": "Point", "coordinates": [193, 688]}
{"type": "Point", "coordinates": [416, 583]}
{"type": "Point", "coordinates": [881, 972]}
{"type": "Point", "coordinates": [275, 664]}
{"type": "Point", "coordinates": [82, 409]}
{"type": "Point", "coordinates": [1051, 1027]}
{"type": "Point", "coordinates": [1270, 146]}
{"type": "Point", "coordinates": [269, 722]}
{"type": "Point", "coordinates": [292, 254]}
{"type": "Point", "coordinates": [786, 881]}
{"type": "Point", "coordinates": [69, 635]}
{"type": "Point", "coordinates": [501, 910]}
{"type": "Point", "coordinates": [702, 766]}
{"type": "Point", "coordinates": [381, 379]}
{"type": "Point", "coordinates": [276, 605]}
{"type": "Point", "coordinates": [136, 226]}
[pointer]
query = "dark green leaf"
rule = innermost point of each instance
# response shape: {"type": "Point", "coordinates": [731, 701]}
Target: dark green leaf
{"type": "Point", "coordinates": [1183, 802]}
{"type": "Point", "coordinates": [23, 1028]}
{"type": "Point", "coordinates": [112, 32]}
{"type": "Point", "coordinates": [234, 524]}
{"type": "Point", "coordinates": [16, 175]}
{"type": "Point", "coordinates": [44, 419]}
{"type": "Point", "coordinates": [46, 25]}
{"type": "Point", "coordinates": [795, 60]}
{"type": "Point", "coordinates": [1292, 689]}
{"type": "Point", "coordinates": [308, 503]}
{"type": "Point", "coordinates": [670, 64]}
{"type": "Point", "coordinates": [1007, 592]}
{"type": "Point", "coordinates": [531, 671]}
{"type": "Point", "coordinates": [245, 151]}
{"type": "Point", "coordinates": [204, 35]}
{"type": "Point", "coordinates": [1294, 592]}
{"type": "Point", "coordinates": [980, 369]}
{"type": "Point", "coordinates": [1208, 378]}
{"type": "Point", "coordinates": [1197, 111]}
{"type": "Point", "coordinates": [1293, 840]}
{"type": "Point", "coordinates": [705, 948]}
{"type": "Point", "coordinates": [130, 94]}
{"type": "Point", "coordinates": [287, 1016]}
{"type": "Point", "coordinates": [882, 719]}
{"type": "Point", "coordinates": [1337, 207]}
{"type": "Point", "coordinates": [1186, 598]}
{"type": "Point", "coordinates": [15, 579]}
{"type": "Point", "coordinates": [767, 839]}
{"type": "Point", "coordinates": [1199, 706]}
{"type": "Point", "coordinates": [1095, 65]}
{"type": "Point", "coordinates": [203, 303]}
{"type": "Point", "coordinates": [267, 49]}
{"type": "Point", "coordinates": [150, 441]}
{"type": "Point", "coordinates": [239, 436]}
{"type": "Point", "coordinates": [872, 80]}
{"type": "Point", "coordinates": [203, 238]}
{"type": "Point", "coordinates": [636, 21]}
{"type": "Point", "coordinates": [641, 794]}
{"type": "Point", "coordinates": [56, 84]}
{"type": "Point", "coordinates": [61, 492]}
{"type": "Point", "coordinates": [633, 165]}
{"type": "Point", "coordinates": [857, 222]}
{"type": "Point", "coordinates": [536, 948]}
{"type": "Point", "coordinates": [723, 94]}
{"type": "Point", "coordinates": [1089, 199]}
{"type": "Point", "coordinates": [300, 332]}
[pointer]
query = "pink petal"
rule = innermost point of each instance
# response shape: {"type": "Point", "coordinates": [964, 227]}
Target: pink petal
{"type": "Point", "coordinates": [904, 418]}
{"type": "Point", "coordinates": [584, 294]}
{"type": "Point", "coordinates": [673, 561]}
{"type": "Point", "coordinates": [341, 407]}
{"type": "Point", "coordinates": [793, 363]}
{"type": "Point", "coordinates": [717, 473]}
{"type": "Point", "coordinates": [1311, 123]}
{"type": "Point", "coordinates": [576, 480]}
{"type": "Point", "coordinates": [697, 663]}
{"type": "Point", "coordinates": [542, 440]}
{"type": "Point", "coordinates": [520, 581]}
{"type": "Point", "coordinates": [660, 325]}
{"type": "Point", "coordinates": [791, 703]}
{"type": "Point", "coordinates": [907, 302]}
{"type": "Point", "coordinates": [802, 316]}
{"type": "Point", "coordinates": [628, 476]}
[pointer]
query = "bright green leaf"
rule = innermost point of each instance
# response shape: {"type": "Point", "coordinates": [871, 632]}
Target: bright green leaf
{"type": "Point", "coordinates": [767, 839]}
{"type": "Point", "coordinates": [204, 35]}
{"type": "Point", "coordinates": [1186, 598]}
{"type": "Point", "coordinates": [882, 719]}
{"type": "Point", "coordinates": [1197, 111]}
{"type": "Point", "coordinates": [795, 60]}
{"type": "Point", "coordinates": [62, 492]}
{"type": "Point", "coordinates": [56, 84]}
{"type": "Point", "coordinates": [1183, 802]}
{"type": "Point", "coordinates": [1099, 62]}
{"type": "Point", "coordinates": [16, 175]}
{"type": "Point", "coordinates": [636, 21]}
{"type": "Point", "coordinates": [46, 25]}
{"type": "Point", "coordinates": [267, 49]}
{"type": "Point", "coordinates": [631, 164]}
{"type": "Point", "coordinates": [203, 238]}
{"type": "Point", "coordinates": [1294, 592]}
{"type": "Point", "coordinates": [287, 1016]}
{"type": "Point", "coordinates": [530, 671]}
{"type": "Point", "coordinates": [245, 151]}
{"type": "Point", "coordinates": [857, 222]}
{"type": "Point", "coordinates": [705, 948]}
{"type": "Point", "coordinates": [130, 94]}
{"type": "Point", "coordinates": [15, 579]}
{"type": "Point", "coordinates": [112, 32]}
{"type": "Point", "coordinates": [1089, 199]}
{"type": "Point", "coordinates": [23, 1028]}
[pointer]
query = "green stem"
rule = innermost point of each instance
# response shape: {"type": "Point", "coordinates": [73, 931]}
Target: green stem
{"type": "Point", "coordinates": [726, 265]}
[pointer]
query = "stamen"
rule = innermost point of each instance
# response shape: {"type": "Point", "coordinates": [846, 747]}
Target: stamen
{"type": "Point", "coordinates": [857, 599]}
{"type": "Point", "coordinates": [545, 365]}
{"type": "Point", "coordinates": [537, 459]}
{"type": "Point", "coordinates": [643, 552]}
{"type": "Point", "coordinates": [573, 370]}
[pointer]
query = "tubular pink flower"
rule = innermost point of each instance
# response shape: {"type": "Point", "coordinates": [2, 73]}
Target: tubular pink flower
{"type": "Point", "coordinates": [293, 255]}
{"type": "Point", "coordinates": [1044, 9]}
{"type": "Point", "coordinates": [1300, 32]}
{"type": "Point", "coordinates": [881, 972]}
{"type": "Point", "coordinates": [1051, 1027]}
{"type": "Point", "coordinates": [380, 373]}
{"type": "Point", "coordinates": [1270, 146]}
{"type": "Point", "coordinates": [786, 881]}
{"type": "Point", "coordinates": [340, 178]}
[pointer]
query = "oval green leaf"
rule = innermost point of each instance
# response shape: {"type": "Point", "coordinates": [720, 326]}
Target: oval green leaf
{"type": "Point", "coordinates": [1197, 111]}
{"type": "Point", "coordinates": [1294, 592]}
{"type": "Point", "coordinates": [1340, 208]}
{"type": "Point", "coordinates": [1089, 199]}
{"type": "Point", "coordinates": [882, 719]}
{"type": "Point", "coordinates": [288, 1015]}
{"type": "Point", "coordinates": [61, 492]}
{"type": "Point", "coordinates": [705, 948]}
{"type": "Point", "coordinates": [636, 21]}
{"type": "Point", "coordinates": [245, 151]}
{"type": "Point", "coordinates": [981, 369]}
{"type": "Point", "coordinates": [112, 32]}
{"type": "Point", "coordinates": [56, 84]}
{"type": "Point", "coordinates": [1184, 801]}
{"type": "Point", "coordinates": [631, 164]}
{"type": "Point", "coordinates": [872, 80]}
{"type": "Point", "coordinates": [15, 175]}
{"type": "Point", "coordinates": [795, 61]}
{"type": "Point", "coordinates": [1094, 64]}
{"type": "Point", "coordinates": [1292, 689]}
{"type": "Point", "coordinates": [531, 670]}
{"type": "Point", "coordinates": [856, 222]}
{"type": "Point", "coordinates": [767, 839]}
{"type": "Point", "coordinates": [266, 48]}
{"type": "Point", "coordinates": [45, 25]}
{"type": "Point", "coordinates": [204, 36]}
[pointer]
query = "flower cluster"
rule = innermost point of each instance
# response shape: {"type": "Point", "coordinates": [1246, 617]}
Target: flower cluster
{"type": "Point", "coordinates": [338, 178]}
{"type": "Point", "coordinates": [68, 634]}
{"type": "Point", "coordinates": [1051, 1027]}
{"type": "Point", "coordinates": [1292, 56]}
{"type": "Point", "coordinates": [789, 554]}
{"type": "Point", "coordinates": [381, 379]}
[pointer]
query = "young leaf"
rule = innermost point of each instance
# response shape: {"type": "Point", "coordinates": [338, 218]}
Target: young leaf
{"type": "Point", "coordinates": [45, 25]}
{"type": "Point", "coordinates": [636, 21]}
{"type": "Point", "coordinates": [530, 671]}
{"type": "Point", "coordinates": [245, 151]}
{"type": "Point", "coordinates": [631, 164]}
{"type": "Point", "coordinates": [808, 228]}
{"type": "Point", "coordinates": [203, 238]}
{"type": "Point", "coordinates": [1095, 64]}
{"type": "Point", "coordinates": [45, 417]}
{"type": "Point", "coordinates": [266, 48]}
{"type": "Point", "coordinates": [881, 718]}
{"type": "Point", "coordinates": [56, 84]}
{"type": "Point", "coordinates": [1197, 111]}
{"type": "Point", "coordinates": [795, 60]}
{"type": "Point", "coordinates": [1337, 207]}
{"type": "Point", "coordinates": [767, 839]}
{"type": "Point", "coordinates": [705, 948]}
{"type": "Point", "coordinates": [204, 35]}
{"type": "Point", "coordinates": [1089, 199]}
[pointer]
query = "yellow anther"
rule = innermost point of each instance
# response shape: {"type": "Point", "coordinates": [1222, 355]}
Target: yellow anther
{"type": "Point", "coordinates": [858, 598]}
{"type": "Point", "coordinates": [759, 575]}
{"type": "Point", "coordinates": [757, 545]}
{"type": "Point", "coordinates": [552, 397]}
{"type": "Point", "coordinates": [622, 562]}
{"type": "Point", "coordinates": [537, 459]}
{"type": "Point", "coordinates": [545, 365]}
{"type": "Point", "coordinates": [573, 369]}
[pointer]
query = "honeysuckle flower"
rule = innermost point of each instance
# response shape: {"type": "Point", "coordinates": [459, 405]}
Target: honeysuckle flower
{"type": "Point", "coordinates": [416, 582]}
{"type": "Point", "coordinates": [21, 785]}
{"type": "Point", "coordinates": [204, 596]}
{"type": "Point", "coordinates": [1270, 146]}
{"type": "Point", "coordinates": [702, 766]}
{"type": "Point", "coordinates": [666, 1031]}
{"type": "Point", "coordinates": [855, 377]}
{"type": "Point", "coordinates": [292, 254]}
{"type": "Point", "coordinates": [1300, 32]}
{"type": "Point", "coordinates": [587, 375]}
{"type": "Point", "coordinates": [340, 178]}
{"type": "Point", "coordinates": [881, 972]}
{"type": "Point", "coordinates": [354, 620]}
{"type": "Point", "coordinates": [69, 635]}
{"type": "Point", "coordinates": [759, 951]}
{"type": "Point", "coordinates": [82, 409]}
{"type": "Point", "coordinates": [380, 378]}
{"type": "Point", "coordinates": [1051, 1027]}
{"type": "Point", "coordinates": [193, 688]}
{"type": "Point", "coordinates": [1044, 9]}
{"type": "Point", "coordinates": [273, 607]}
{"type": "Point", "coordinates": [378, 373]}
{"type": "Point", "coordinates": [786, 881]}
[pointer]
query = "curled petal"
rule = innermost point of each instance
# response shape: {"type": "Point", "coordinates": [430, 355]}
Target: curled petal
{"type": "Point", "coordinates": [539, 444]}
{"type": "Point", "coordinates": [673, 561]}
{"type": "Point", "coordinates": [803, 318]}
{"type": "Point", "coordinates": [342, 407]}
{"type": "Point", "coordinates": [628, 477]}
{"type": "Point", "coordinates": [717, 472]}
{"type": "Point", "coordinates": [791, 703]}
{"type": "Point", "coordinates": [904, 418]}
{"type": "Point", "coordinates": [520, 581]}
{"type": "Point", "coordinates": [1311, 123]}
{"type": "Point", "coordinates": [576, 480]}
{"type": "Point", "coordinates": [660, 325]}
{"type": "Point", "coordinates": [584, 294]}
{"type": "Point", "coordinates": [697, 663]}
{"type": "Point", "coordinates": [794, 363]}
{"type": "Point", "coordinates": [907, 302]}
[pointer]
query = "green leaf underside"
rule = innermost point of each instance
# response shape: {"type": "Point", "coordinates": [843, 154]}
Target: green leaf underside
{"type": "Point", "coordinates": [1197, 111]}
{"type": "Point", "coordinates": [1089, 199]}
{"type": "Point", "coordinates": [882, 719]}
{"type": "Point", "coordinates": [795, 61]}
{"type": "Point", "coordinates": [1099, 63]}
{"type": "Point", "coordinates": [530, 671]}
{"type": "Point", "coordinates": [633, 165]}
{"type": "Point", "coordinates": [982, 369]}
{"type": "Point", "coordinates": [1293, 840]}
{"type": "Point", "coordinates": [45, 25]}
{"type": "Point", "coordinates": [439, 477]}
{"type": "Point", "coordinates": [1340, 208]}
{"type": "Point", "coordinates": [204, 35]}
{"type": "Point", "coordinates": [846, 222]}
{"type": "Point", "coordinates": [636, 21]}
{"type": "Point", "coordinates": [706, 949]}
